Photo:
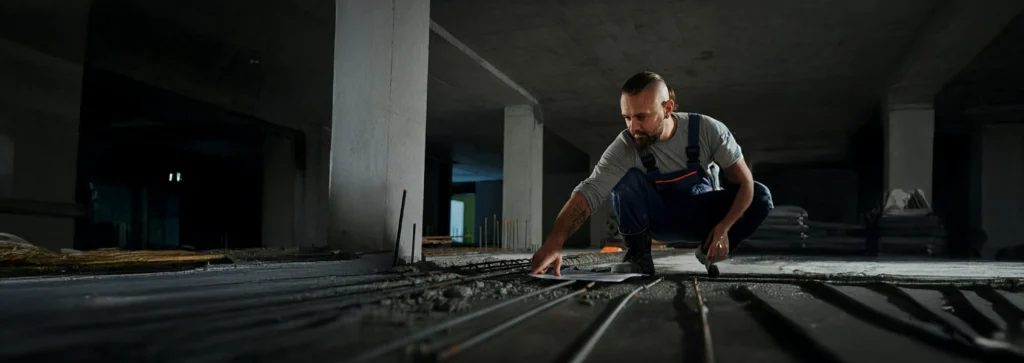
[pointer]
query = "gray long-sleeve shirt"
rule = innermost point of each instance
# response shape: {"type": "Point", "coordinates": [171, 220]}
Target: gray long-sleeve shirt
{"type": "Point", "coordinates": [717, 146]}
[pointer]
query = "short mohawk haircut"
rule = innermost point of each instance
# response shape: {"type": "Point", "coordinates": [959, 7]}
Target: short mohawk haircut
{"type": "Point", "coordinates": [640, 81]}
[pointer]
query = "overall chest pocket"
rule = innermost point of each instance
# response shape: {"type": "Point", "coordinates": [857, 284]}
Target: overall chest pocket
{"type": "Point", "coordinates": [683, 183]}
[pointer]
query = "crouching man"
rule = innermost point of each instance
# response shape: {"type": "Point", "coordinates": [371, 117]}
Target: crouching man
{"type": "Point", "coordinates": [657, 172]}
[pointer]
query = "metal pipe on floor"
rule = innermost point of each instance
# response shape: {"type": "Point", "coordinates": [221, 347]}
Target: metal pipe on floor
{"type": "Point", "coordinates": [398, 239]}
{"type": "Point", "coordinates": [512, 233]}
{"type": "Point", "coordinates": [972, 304]}
{"type": "Point", "coordinates": [709, 350]}
{"type": "Point", "coordinates": [779, 319]}
{"type": "Point", "coordinates": [917, 329]}
{"type": "Point", "coordinates": [957, 326]}
{"type": "Point", "coordinates": [528, 245]}
{"type": "Point", "coordinates": [515, 231]}
{"type": "Point", "coordinates": [582, 354]}
{"type": "Point", "coordinates": [457, 348]}
{"type": "Point", "coordinates": [422, 334]}
{"type": "Point", "coordinates": [412, 254]}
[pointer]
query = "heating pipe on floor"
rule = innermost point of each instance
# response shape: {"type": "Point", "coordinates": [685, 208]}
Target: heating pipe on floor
{"type": "Point", "coordinates": [709, 350]}
{"type": "Point", "coordinates": [582, 354]}
{"type": "Point", "coordinates": [412, 253]}
{"type": "Point", "coordinates": [423, 334]}
{"type": "Point", "coordinates": [398, 239]}
{"type": "Point", "coordinates": [457, 348]}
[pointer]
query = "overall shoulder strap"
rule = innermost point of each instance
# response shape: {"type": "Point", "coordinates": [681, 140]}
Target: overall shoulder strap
{"type": "Point", "coordinates": [693, 144]}
{"type": "Point", "coordinates": [646, 157]}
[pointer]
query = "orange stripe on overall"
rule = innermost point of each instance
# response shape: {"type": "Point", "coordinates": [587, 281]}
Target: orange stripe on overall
{"type": "Point", "coordinates": [676, 179]}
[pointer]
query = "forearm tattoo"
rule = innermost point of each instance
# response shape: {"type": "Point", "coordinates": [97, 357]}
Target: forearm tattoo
{"type": "Point", "coordinates": [577, 215]}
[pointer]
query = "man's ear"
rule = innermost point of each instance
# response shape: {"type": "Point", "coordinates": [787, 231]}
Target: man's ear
{"type": "Point", "coordinates": [669, 106]}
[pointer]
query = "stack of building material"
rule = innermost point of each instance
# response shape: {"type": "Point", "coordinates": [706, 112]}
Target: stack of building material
{"type": "Point", "coordinates": [788, 228]}
{"type": "Point", "coordinates": [907, 225]}
{"type": "Point", "coordinates": [784, 222]}
{"type": "Point", "coordinates": [783, 229]}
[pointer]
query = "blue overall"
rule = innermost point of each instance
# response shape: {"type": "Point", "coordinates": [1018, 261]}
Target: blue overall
{"type": "Point", "coordinates": [683, 205]}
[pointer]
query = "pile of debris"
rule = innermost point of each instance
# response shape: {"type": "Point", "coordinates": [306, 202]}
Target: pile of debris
{"type": "Point", "coordinates": [906, 224]}
{"type": "Point", "coordinates": [20, 258]}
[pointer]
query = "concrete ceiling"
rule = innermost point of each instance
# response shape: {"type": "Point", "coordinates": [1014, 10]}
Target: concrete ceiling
{"type": "Point", "coordinates": [991, 88]}
{"type": "Point", "coordinates": [738, 58]}
{"type": "Point", "coordinates": [788, 76]}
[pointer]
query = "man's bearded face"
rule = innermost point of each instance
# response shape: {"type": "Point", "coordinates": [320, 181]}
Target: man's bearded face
{"type": "Point", "coordinates": [644, 137]}
{"type": "Point", "coordinates": [646, 116]}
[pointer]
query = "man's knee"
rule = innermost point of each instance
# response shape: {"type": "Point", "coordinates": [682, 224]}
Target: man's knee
{"type": "Point", "coordinates": [762, 198]}
{"type": "Point", "coordinates": [632, 184]}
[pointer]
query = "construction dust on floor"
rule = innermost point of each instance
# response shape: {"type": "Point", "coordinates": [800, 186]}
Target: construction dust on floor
{"type": "Point", "coordinates": [485, 308]}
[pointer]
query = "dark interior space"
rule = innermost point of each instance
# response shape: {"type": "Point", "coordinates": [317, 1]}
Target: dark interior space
{"type": "Point", "coordinates": [437, 195]}
{"type": "Point", "coordinates": [565, 166]}
{"type": "Point", "coordinates": [380, 181]}
{"type": "Point", "coordinates": [171, 170]}
{"type": "Point", "coordinates": [985, 99]}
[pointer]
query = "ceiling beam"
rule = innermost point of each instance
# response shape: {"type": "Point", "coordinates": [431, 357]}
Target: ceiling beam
{"type": "Point", "coordinates": [953, 35]}
{"type": "Point", "coordinates": [465, 49]}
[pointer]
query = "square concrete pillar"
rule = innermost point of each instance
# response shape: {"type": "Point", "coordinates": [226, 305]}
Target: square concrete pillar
{"type": "Point", "coordinates": [42, 52]}
{"type": "Point", "coordinates": [909, 148]}
{"type": "Point", "coordinates": [378, 123]}
{"type": "Point", "coordinates": [523, 178]}
{"type": "Point", "coordinates": [1002, 199]}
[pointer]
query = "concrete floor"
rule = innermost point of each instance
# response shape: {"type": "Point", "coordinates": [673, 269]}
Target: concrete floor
{"type": "Point", "coordinates": [303, 312]}
{"type": "Point", "coordinates": [682, 261]}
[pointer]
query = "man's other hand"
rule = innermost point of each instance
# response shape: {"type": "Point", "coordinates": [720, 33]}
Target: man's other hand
{"type": "Point", "coordinates": [549, 254]}
{"type": "Point", "coordinates": [718, 244]}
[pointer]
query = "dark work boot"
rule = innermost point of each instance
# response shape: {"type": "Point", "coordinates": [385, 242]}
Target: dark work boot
{"type": "Point", "coordinates": [638, 253]}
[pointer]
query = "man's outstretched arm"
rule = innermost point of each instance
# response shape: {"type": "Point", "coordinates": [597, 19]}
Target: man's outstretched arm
{"type": "Point", "coordinates": [569, 220]}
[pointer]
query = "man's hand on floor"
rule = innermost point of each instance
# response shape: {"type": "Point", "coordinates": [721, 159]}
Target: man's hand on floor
{"type": "Point", "coordinates": [548, 254]}
{"type": "Point", "coordinates": [718, 244]}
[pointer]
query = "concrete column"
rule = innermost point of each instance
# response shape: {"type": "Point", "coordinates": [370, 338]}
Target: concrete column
{"type": "Point", "coordinates": [523, 182]}
{"type": "Point", "coordinates": [279, 192]}
{"type": "Point", "coordinates": [909, 148]}
{"type": "Point", "coordinates": [1002, 202]}
{"type": "Point", "coordinates": [42, 52]}
{"type": "Point", "coordinates": [6, 166]}
{"type": "Point", "coordinates": [378, 123]}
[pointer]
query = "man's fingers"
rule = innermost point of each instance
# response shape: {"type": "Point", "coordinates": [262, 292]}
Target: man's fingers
{"type": "Point", "coordinates": [541, 266]}
{"type": "Point", "coordinates": [716, 253]}
{"type": "Point", "coordinates": [558, 267]}
{"type": "Point", "coordinates": [537, 267]}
